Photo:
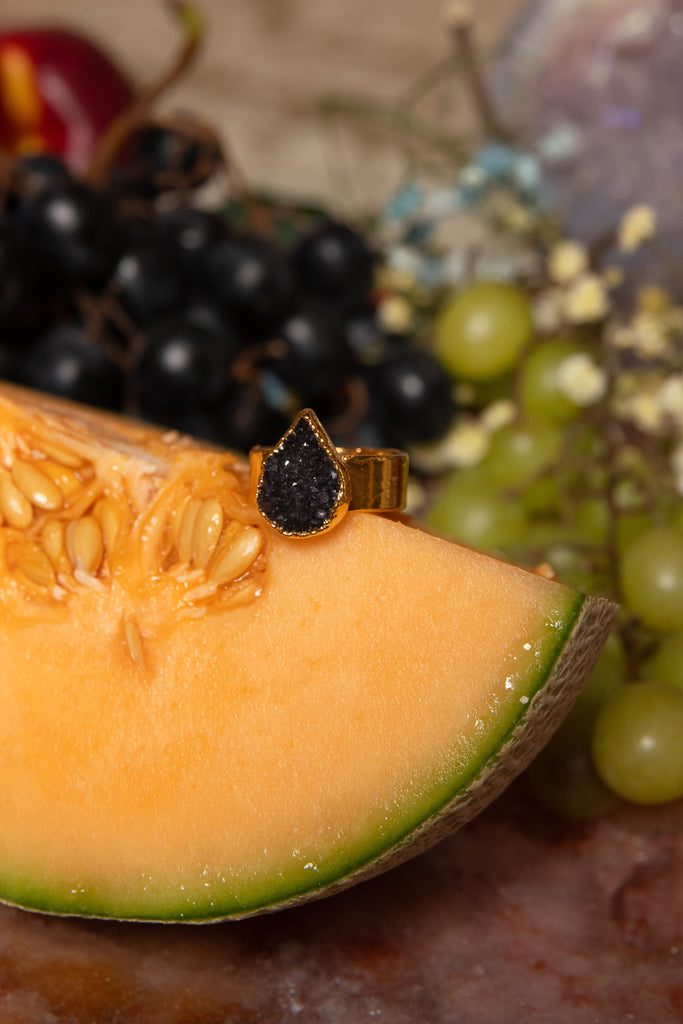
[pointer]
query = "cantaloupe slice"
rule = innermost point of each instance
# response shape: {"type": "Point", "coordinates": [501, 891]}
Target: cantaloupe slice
{"type": "Point", "coordinates": [202, 719]}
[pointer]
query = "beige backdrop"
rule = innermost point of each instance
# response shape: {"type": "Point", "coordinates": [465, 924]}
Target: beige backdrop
{"type": "Point", "coordinates": [265, 65]}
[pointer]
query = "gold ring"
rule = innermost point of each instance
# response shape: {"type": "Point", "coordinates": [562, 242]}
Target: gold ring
{"type": "Point", "coordinates": [304, 485]}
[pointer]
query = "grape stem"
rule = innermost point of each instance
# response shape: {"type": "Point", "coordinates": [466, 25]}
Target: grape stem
{"type": "Point", "coordinates": [245, 367]}
{"type": "Point", "coordinates": [121, 128]}
{"type": "Point", "coordinates": [345, 424]}
{"type": "Point", "coordinates": [399, 118]}
{"type": "Point", "coordinates": [400, 115]}
{"type": "Point", "coordinates": [462, 37]}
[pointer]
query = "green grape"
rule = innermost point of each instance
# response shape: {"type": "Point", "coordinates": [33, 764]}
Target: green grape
{"type": "Point", "coordinates": [651, 574]}
{"type": "Point", "coordinates": [565, 559]}
{"type": "Point", "coordinates": [552, 543]}
{"type": "Point", "coordinates": [628, 495]}
{"type": "Point", "coordinates": [637, 743]}
{"type": "Point", "coordinates": [481, 331]}
{"type": "Point", "coordinates": [542, 497]}
{"type": "Point", "coordinates": [539, 392]}
{"type": "Point", "coordinates": [486, 392]}
{"type": "Point", "coordinates": [592, 520]}
{"type": "Point", "coordinates": [471, 509]}
{"type": "Point", "coordinates": [606, 679]}
{"type": "Point", "coordinates": [666, 664]}
{"type": "Point", "coordinates": [628, 526]}
{"type": "Point", "coordinates": [521, 451]}
{"type": "Point", "coordinates": [585, 571]}
{"type": "Point", "coordinates": [563, 779]}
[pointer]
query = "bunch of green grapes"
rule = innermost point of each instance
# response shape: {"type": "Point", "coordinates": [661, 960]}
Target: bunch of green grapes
{"type": "Point", "coordinates": [571, 482]}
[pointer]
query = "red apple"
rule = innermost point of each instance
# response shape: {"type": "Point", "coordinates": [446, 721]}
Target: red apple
{"type": "Point", "coordinates": [58, 92]}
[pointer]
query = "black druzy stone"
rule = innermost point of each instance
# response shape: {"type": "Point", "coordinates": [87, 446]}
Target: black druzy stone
{"type": "Point", "coordinates": [300, 485]}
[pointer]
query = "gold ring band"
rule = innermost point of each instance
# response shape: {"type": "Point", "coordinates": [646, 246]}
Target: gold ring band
{"type": "Point", "coordinates": [304, 485]}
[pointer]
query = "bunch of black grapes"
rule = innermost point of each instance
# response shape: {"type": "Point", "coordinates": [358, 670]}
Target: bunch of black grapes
{"type": "Point", "coordinates": [130, 298]}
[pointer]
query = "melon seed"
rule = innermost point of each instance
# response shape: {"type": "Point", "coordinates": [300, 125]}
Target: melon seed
{"type": "Point", "coordinates": [133, 637]}
{"type": "Point", "coordinates": [235, 555]}
{"type": "Point", "coordinates": [34, 563]}
{"type": "Point", "coordinates": [84, 544]}
{"type": "Point", "coordinates": [206, 531]}
{"type": "Point", "coordinates": [59, 452]}
{"type": "Point", "coordinates": [14, 505]}
{"type": "Point", "coordinates": [108, 514]}
{"type": "Point", "coordinates": [184, 542]}
{"type": "Point", "coordinates": [52, 539]}
{"type": "Point", "coordinates": [36, 485]}
{"type": "Point", "coordinates": [65, 478]}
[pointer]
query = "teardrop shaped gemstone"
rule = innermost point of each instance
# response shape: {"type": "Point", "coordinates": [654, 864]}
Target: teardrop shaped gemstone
{"type": "Point", "coordinates": [302, 483]}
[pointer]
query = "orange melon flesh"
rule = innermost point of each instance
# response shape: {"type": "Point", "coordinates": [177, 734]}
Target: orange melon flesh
{"type": "Point", "coordinates": [370, 689]}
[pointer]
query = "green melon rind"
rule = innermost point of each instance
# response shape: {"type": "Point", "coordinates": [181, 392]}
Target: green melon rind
{"type": "Point", "coordinates": [569, 653]}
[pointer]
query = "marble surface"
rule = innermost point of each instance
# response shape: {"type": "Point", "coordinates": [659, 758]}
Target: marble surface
{"type": "Point", "coordinates": [517, 918]}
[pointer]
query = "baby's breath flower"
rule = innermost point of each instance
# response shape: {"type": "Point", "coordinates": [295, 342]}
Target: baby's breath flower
{"type": "Point", "coordinates": [629, 384]}
{"type": "Point", "coordinates": [494, 267]}
{"type": "Point", "coordinates": [395, 314]}
{"type": "Point", "coordinates": [670, 397]}
{"type": "Point", "coordinates": [402, 260]}
{"type": "Point", "coordinates": [472, 177]}
{"type": "Point", "coordinates": [653, 299]}
{"type": "Point", "coordinates": [454, 267]}
{"type": "Point", "coordinates": [526, 173]}
{"type": "Point", "coordinates": [652, 331]}
{"type": "Point", "coordinates": [467, 444]}
{"type": "Point", "coordinates": [623, 337]}
{"type": "Point", "coordinates": [650, 337]}
{"type": "Point", "coordinates": [415, 496]}
{"type": "Point", "coordinates": [673, 318]}
{"type": "Point", "coordinates": [516, 216]}
{"type": "Point", "coordinates": [586, 300]}
{"type": "Point", "coordinates": [646, 412]}
{"type": "Point", "coordinates": [441, 202]}
{"type": "Point", "coordinates": [547, 310]}
{"type": "Point", "coordinates": [498, 414]}
{"type": "Point", "coordinates": [637, 225]}
{"type": "Point", "coordinates": [464, 445]}
{"type": "Point", "coordinates": [566, 261]}
{"type": "Point", "coordinates": [562, 143]}
{"type": "Point", "coordinates": [581, 380]}
{"type": "Point", "coordinates": [613, 276]}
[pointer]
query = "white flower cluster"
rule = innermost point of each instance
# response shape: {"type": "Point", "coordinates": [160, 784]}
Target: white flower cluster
{"type": "Point", "coordinates": [468, 440]}
{"type": "Point", "coordinates": [581, 380]}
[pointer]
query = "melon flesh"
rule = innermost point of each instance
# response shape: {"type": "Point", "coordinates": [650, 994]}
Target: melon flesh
{"type": "Point", "coordinates": [376, 688]}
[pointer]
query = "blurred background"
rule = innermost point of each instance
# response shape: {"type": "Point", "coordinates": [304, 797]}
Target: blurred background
{"type": "Point", "coordinates": [265, 66]}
